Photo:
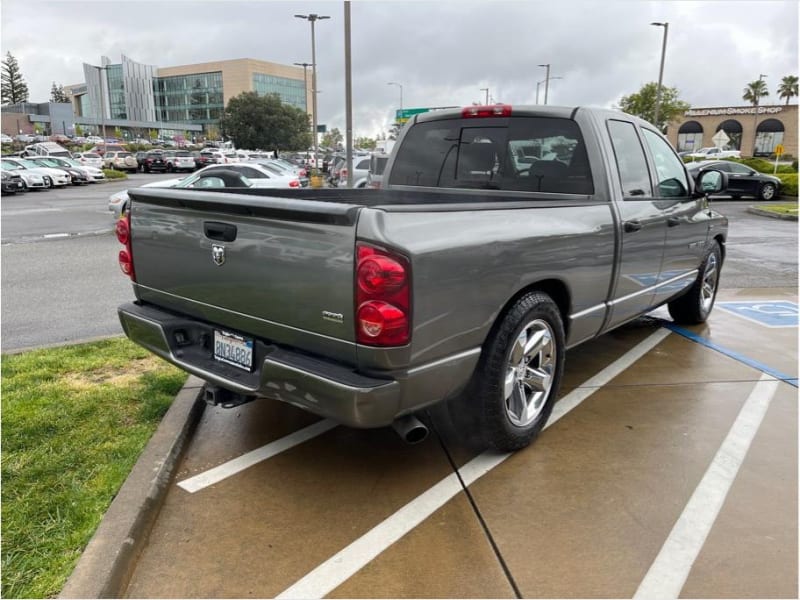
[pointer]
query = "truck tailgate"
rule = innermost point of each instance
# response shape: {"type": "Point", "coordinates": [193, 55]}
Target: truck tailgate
{"type": "Point", "coordinates": [277, 268]}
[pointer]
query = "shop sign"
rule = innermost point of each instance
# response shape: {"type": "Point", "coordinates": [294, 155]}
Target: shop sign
{"type": "Point", "coordinates": [733, 110]}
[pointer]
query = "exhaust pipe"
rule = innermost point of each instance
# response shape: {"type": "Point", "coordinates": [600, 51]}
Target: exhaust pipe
{"type": "Point", "coordinates": [410, 429]}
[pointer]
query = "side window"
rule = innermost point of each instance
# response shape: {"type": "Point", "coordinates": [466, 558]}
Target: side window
{"type": "Point", "coordinates": [672, 181]}
{"type": "Point", "coordinates": [251, 173]}
{"type": "Point", "coordinates": [364, 164]}
{"type": "Point", "coordinates": [631, 162]}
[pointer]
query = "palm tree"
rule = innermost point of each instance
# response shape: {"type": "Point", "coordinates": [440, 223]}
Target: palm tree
{"type": "Point", "coordinates": [754, 91]}
{"type": "Point", "coordinates": [788, 88]}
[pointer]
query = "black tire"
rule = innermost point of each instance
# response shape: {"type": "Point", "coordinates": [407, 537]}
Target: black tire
{"type": "Point", "coordinates": [48, 182]}
{"type": "Point", "coordinates": [767, 191]}
{"type": "Point", "coordinates": [509, 406]}
{"type": "Point", "coordinates": [696, 304]}
{"type": "Point", "coordinates": [169, 168]}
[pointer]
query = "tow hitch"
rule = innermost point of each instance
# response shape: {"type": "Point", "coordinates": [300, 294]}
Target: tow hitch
{"type": "Point", "coordinates": [216, 396]}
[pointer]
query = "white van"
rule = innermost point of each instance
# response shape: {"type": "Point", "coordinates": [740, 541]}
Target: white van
{"type": "Point", "coordinates": [47, 149]}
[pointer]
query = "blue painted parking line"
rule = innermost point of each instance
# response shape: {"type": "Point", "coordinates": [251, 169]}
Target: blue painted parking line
{"type": "Point", "coordinates": [769, 313]}
{"type": "Point", "coordinates": [790, 379]}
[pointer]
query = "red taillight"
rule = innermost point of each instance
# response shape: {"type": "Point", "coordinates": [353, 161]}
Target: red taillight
{"type": "Point", "coordinates": [383, 297]}
{"type": "Point", "coordinates": [497, 110]}
{"type": "Point", "coordinates": [375, 184]}
{"type": "Point", "coordinates": [303, 172]}
{"type": "Point", "coordinates": [123, 230]}
{"type": "Point", "coordinates": [343, 173]}
{"type": "Point", "coordinates": [294, 183]}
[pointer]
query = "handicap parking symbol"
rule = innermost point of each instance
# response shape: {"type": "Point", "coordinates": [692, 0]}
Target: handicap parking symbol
{"type": "Point", "coordinates": [769, 313]}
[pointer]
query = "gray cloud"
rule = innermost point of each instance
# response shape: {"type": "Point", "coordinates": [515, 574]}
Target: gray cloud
{"type": "Point", "coordinates": [442, 52]}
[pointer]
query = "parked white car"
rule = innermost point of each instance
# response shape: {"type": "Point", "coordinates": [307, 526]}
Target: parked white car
{"type": "Point", "coordinates": [714, 153]}
{"type": "Point", "coordinates": [32, 179]}
{"type": "Point", "coordinates": [360, 172]}
{"type": "Point", "coordinates": [52, 177]}
{"type": "Point", "coordinates": [93, 174]}
{"type": "Point", "coordinates": [260, 175]}
{"type": "Point", "coordinates": [6, 139]}
{"type": "Point", "coordinates": [94, 139]}
{"type": "Point", "coordinates": [89, 159]}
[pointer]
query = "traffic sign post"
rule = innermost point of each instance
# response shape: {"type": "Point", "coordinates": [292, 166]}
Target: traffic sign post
{"type": "Point", "coordinates": [778, 154]}
{"type": "Point", "coordinates": [720, 139]}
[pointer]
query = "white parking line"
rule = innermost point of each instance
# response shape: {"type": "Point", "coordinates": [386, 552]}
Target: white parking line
{"type": "Point", "coordinates": [225, 470]}
{"type": "Point", "coordinates": [668, 573]}
{"type": "Point", "coordinates": [343, 565]}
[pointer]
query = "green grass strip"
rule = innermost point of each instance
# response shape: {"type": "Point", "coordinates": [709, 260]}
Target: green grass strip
{"type": "Point", "coordinates": [74, 421]}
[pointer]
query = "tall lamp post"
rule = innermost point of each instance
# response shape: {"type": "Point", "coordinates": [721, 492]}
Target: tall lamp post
{"type": "Point", "coordinates": [313, 18]}
{"type": "Point", "coordinates": [305, 66]}
{"type": "Point", "coordinates": [401, 92]}
{"type": "Point", "coordinates": [538, 83]}
{"type": "Point", "coordinates": [755, 118]}
{"type": "Point", "coordinates": [546, 80]}
{"type": "Point", "coordinates": [660, 71]}
{"type": "Point", "coordinates": [487, 95]}
{"type": "Point", "coordinates": [102, 106]}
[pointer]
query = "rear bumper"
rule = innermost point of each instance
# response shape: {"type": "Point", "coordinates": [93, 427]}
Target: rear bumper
{"type": "Point", "coordinates": [321, 386]}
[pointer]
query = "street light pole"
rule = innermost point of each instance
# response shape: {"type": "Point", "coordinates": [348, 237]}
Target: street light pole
{"type": "Point", "coordinates": [313, 18]}
{"type": "Point", "coordinates": [487, 95]}
{"type": "Point", "coordinates": [102, 106]}
{"type": "Point", "coordinates": [546, 81]}
{"type": "Point", "coordinates": [755, 117]}
{"type": "Point", "coordinates": [660, 71]}
{"type": "Point", "coordinates": [401, 92]}
{"type": "Point", "coordinates": [305, 66]}
{"type": "Point", "coordinates": [538, 83]}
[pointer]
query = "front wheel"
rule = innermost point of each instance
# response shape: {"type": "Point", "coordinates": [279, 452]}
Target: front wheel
{"type": "Point", "coordinates": [696, 304]}
{"type": "Point", "coordinates": [48, 183]}
{"type": "Point", "coordinates": [517, 379]}
{"type": "Point", "coordinates": [767, 191]}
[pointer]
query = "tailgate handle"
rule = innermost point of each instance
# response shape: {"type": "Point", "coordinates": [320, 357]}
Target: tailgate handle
{"type": "Point", "coordinates": [222, 232]}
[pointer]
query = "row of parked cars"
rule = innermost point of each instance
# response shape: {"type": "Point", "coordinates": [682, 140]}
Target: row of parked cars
{"type": "Point", "coordinates": [45, 172]}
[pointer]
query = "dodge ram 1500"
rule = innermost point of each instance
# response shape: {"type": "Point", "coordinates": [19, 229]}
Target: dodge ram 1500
{"type": "Point", "coordinates": [501, 237]}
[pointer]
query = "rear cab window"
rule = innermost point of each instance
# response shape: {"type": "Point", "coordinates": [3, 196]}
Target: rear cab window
{"type": "Point", "coordinates": [525, 154]}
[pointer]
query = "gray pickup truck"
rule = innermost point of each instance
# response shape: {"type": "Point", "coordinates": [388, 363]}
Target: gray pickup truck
{"type": "Point", "coordinates": [502, 236]}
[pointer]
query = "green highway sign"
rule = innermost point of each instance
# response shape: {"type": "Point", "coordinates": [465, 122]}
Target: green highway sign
{"type": "Point", "coordinates": [403, 115]}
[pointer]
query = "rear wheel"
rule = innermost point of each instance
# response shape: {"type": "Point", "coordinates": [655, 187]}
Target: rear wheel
{"type": "Point", "coordinates": [515, 384]}
{"type": "Point", "coordinates": [696, 304]}
{"type": "Point", "coordinates": [767, 191]}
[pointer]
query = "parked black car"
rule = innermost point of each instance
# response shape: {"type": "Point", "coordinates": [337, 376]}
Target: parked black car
{"type": "Point", "coordinates": [742, 180]}
{"type": "Point", "coordinates": [153, 161]}
{"type": "Point", "coordinates": [11, 183]}
{"type": "Point", "coordinates": [204, 159]}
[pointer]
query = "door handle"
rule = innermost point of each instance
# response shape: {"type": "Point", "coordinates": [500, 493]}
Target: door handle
{"type": "Point", "coordinates": [222, 232]}
{"type": "Point", "coordinates": [673, 222]}
{"type": "Point", "coordinates": [631, 226]}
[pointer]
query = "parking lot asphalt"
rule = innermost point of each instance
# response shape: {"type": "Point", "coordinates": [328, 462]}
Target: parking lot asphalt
{"type": "Point", "coordinates": [669, 468]}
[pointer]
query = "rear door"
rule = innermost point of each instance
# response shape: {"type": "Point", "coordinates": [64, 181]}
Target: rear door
{"type": "Point", "coordinates": [644, 226]}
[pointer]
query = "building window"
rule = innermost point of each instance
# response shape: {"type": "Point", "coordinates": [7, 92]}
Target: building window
{"type": "Point", "coordinates": [690, 136]}
{"type": "Point", "coordinates": [291, 91]}
{"type": "Point", "coordinates": [196, 98]}
{"type": "Point", "coordinates": [768, 135]}
{"type": "Point", "coordinates": [733, 129]}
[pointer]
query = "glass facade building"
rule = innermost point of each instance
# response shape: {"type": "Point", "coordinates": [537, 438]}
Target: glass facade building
{"type": "Point", "coordinates": [116, 92]}
{"type": "Point", "coordinates": [195, 98]}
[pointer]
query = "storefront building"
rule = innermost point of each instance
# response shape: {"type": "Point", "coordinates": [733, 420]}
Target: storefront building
{"type": "Point", "coordinates": [754, 133]}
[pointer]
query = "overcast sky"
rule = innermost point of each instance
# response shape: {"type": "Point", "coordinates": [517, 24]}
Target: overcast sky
{"type": "Point", "coordinates": [442, 53]}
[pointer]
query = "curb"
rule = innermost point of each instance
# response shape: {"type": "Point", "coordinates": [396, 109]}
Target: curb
{"type": "Point", "coordinates": [765, 213]}
{"type": "Point", "coordinates": [106, 564]}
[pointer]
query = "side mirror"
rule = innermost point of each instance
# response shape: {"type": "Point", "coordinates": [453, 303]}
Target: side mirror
{"type": "Point", "coordinates": [711, 182]}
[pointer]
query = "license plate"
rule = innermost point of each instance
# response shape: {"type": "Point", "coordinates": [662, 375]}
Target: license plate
{"type": "Point", "coordinates": [233, 349]}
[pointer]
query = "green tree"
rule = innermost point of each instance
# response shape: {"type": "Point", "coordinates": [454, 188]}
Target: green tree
{"type": "Point", "coordinates": [57, 93]}
{"type": "Point", "coordinates": [788, 88]}
{"type": "Point", "coordinates": [754, 91]}
{"type": "Point", "coordinates": [643, 104]}
{"type": "Point", "coordinates": [366, 143]}
{"type": "Point", "coordinates": [78, 130]}
{"type": "Point", "coordinates": [332, 139]}
{"type": "Point", "coordinates": [14, 87]}
{"type": "Point", "coordinates": [254, 121]}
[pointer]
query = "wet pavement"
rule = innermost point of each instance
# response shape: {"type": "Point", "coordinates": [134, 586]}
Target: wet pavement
{"type": "Point", "coordinates": [673, 471]}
